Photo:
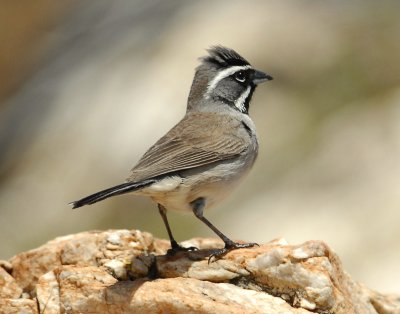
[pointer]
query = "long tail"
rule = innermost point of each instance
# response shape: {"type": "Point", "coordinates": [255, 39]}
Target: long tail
{"type": "Point", "coordinates": [115, 190]}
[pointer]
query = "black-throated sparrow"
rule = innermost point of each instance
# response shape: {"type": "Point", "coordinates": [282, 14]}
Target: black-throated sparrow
{"type": "Point", "coordinates": [198, 162]}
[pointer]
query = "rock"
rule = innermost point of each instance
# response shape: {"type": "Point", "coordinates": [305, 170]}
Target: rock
{"type": "Point", "coordinates": [9, 287]}
{"type": "Point", "coordinates": [24, 306]}
{"type": "Point", "coordinates": [121, 271]}
{"type": "Point", "coordinates": [82, 249]}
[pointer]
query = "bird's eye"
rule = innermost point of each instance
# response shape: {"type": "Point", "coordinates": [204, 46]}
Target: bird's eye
{"type": "Point", "coordinates": [240, 76]}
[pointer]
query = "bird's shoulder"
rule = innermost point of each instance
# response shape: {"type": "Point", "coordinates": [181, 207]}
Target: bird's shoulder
{"type": "Point", "coordinates": [201, 129]}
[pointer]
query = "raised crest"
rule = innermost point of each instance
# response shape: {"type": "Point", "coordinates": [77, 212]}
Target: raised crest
{"type": "Point", "coordinates": [224, 57]}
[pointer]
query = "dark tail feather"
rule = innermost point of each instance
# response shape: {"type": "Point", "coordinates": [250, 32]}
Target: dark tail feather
{"type": "Point", "coordinates": [115, 190]}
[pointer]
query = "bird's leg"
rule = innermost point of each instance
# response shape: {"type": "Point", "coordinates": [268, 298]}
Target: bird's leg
{"type": "Point", "coordinates": [198, 206]}
{"type": "Point", "coordinates": [175, 247]}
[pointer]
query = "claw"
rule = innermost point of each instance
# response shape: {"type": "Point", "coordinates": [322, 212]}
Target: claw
{"type": "Point", "coordinates": [230, 246]}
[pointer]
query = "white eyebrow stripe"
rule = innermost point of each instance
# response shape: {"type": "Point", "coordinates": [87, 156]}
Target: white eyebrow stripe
{"type": "Point", "coordinates": [223, 74]}
{"type": "Point", "coordinates": [239, 103]}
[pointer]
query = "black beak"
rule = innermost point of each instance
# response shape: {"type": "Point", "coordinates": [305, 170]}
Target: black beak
{"type": "Point", "coordinates": [260, 77]}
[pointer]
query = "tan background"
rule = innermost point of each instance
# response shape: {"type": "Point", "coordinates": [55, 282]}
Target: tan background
{"type": "Point", "coordinates": [87, 87]}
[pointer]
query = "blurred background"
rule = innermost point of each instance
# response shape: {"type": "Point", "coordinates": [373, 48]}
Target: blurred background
{"type": "Point", "coordinates": [87, 86]}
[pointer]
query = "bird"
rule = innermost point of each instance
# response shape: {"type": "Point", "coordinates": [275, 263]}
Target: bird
{"type": "Point", "coordinates": [205, 155]}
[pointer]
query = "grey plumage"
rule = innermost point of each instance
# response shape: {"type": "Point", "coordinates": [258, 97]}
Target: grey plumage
{"type": "Point", "coordinates": [198, 162]}
{"type": "Point", "coordinates": [184, 147]}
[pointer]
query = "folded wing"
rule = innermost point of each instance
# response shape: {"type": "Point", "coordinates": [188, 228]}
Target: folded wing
{"type": "Point", "coordinates": [200, 139]}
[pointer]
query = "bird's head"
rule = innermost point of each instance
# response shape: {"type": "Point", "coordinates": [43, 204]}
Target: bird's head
{"type": "Point", "coordinates": [224, 77]}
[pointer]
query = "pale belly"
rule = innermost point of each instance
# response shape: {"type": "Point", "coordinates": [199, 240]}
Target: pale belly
{"type": "Point", "coordinates": [213, 184]}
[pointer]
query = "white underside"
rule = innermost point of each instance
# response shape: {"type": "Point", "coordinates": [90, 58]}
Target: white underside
{"type": "Point", "coordinates": [175, 193]}
{"type": "Point", "coordinates": [214, 184]}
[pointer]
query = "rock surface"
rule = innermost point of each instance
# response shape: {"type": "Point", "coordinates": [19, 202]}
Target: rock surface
{"type": "Point", "coordinates": [121, 271]}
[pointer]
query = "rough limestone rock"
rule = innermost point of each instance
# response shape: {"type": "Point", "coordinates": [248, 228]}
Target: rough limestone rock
{"type": "Point", "coordinates": [121, 271]}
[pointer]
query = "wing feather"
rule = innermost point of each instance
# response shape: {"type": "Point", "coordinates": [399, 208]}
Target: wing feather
{"type": "Point", "coordinates": [199, 139]}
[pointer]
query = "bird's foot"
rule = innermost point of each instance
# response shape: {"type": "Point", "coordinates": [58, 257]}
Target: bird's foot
{"type": "Point", "coordinates": [229, 246]}
{"type": "Point", "coordinates": [175, 248]}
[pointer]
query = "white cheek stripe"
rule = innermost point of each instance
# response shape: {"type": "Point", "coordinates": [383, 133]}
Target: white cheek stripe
{"type": "Point", "coordinates": [223, 74]}
{"type": "Point", "coordinates": [239, 103]}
